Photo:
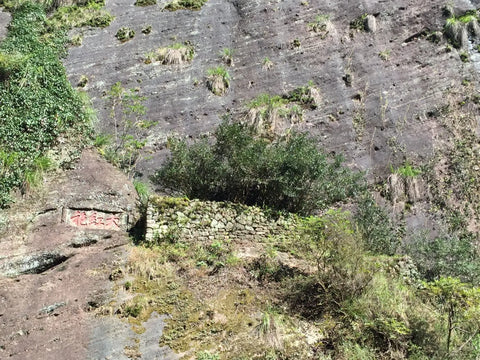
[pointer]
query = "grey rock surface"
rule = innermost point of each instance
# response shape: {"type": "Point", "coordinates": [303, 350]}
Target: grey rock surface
{"type": "Point", "coordinates": [4, 21]}
{"type": "Point", "coordinates": [394, 96]}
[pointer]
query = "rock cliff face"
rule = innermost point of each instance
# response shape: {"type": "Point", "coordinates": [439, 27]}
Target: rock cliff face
{"type": "Point", "coordinates": [379, 88]}
{"type": "Point", "coordinates": [384, 70]}
{"type": "Point", "coordinates": [57, 250]}
{"type": "Point", "coordinates": [391, 88]}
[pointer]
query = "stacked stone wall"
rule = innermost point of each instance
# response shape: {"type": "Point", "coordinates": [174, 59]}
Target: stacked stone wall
{"type": "Point", "coordinates": [195, 220]}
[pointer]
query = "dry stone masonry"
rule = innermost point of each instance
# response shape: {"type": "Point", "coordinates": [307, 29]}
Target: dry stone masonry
{"type": "Point", "coordinates": [195, 220]}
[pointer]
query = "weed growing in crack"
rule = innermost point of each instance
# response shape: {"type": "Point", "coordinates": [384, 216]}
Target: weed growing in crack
{"type": "Point", "coordinates": [227, 56]}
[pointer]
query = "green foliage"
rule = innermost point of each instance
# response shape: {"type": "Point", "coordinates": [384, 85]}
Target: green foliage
{"type": "Point", "coordinates": [147, 29]}
{"type": "Point", "coordinates": [227, 56]}
{"type": "Point", "coordinates": [466, 18]}
{"type": "Point", "coordinates": [359, 23]}
{"type": "Point", "coordinates": [320, 25]}
{"type": "Point", "coordinates": [143, 194]}
{"type": "Point", "coordinates": [38, 103]}
{"type": "Point", "coordinates": [385, 54]}
{"type": "Point", "coordinates": [174, 54]}
{"type": "Point", "coordinates": [126, 110]}
{"type": "Point", "coordinates": [92, 14]}
{"type": "Point", "coordinates": [214, 254]}
{"type": "Point", "coordinates": [125, 33]}
{"type": "Point", "coordinates": [390, 318]}
{"type": "Point", "coordinates": [219, 71]}
{"type": "Point", "coordinates": [460, 304]}
{"type": "Point", "coordinates": [133, 310]}
{"type": "Point", "coordinates": [76, 40]}
{"type": "Point", "coordinates": [288, 174]}
{"type": "Point", "coordinates": [145, 2]}
{"type": "Point", "coordinates": [185, 4]}
{"type": "Point", "coordinates": [304, 96]}
{"type": "Point", "coordinates": [267, 64]}
{"type": "Point", "coordinates": [407, 170]}
{"type": "Point", "coordinates": [205, 355]}
{"type": "Point", "coordinates": [342, 272]}
{"type": "Point", "coordinates": [375, 226]}
{"type": "Point", "coordinates": [464, 56]}
{"type": "Point", "coordinates": [447, 255]}
{"type": "Point", "coordinates": [10, 63]}
{"type": "Point", "coordinates": [265, 100]}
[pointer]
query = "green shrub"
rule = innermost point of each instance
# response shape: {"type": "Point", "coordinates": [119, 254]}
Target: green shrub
{"type": "Point", "coordinates": [125, 33]}
{"type": "Point", "coordinates": [33, 116]}
{"type": "Point", "coordinates": [185, 4]}
{"type": "Point", "coordinates": [227, 56]}
{"type": "Point", "coordinates": [91, 14]}
{"type": "Point", "coordinates": [145, 2]}
{"type": "Point", "coordinates": [407, 170]}
{"type": "Point", "coordinates": [375, 226]}
{"type": "Point", "coordinates": [147, 29]}
{"type": "Point", "coordinates": [447, 255]}
{"type": "Point", "coordinates": [320, 25]}
{"type": "Point", "coordinates": [359, 23]}
{"type": "Point", "coordinates": [205, 355]}
{"type": "Point", "coordinates": [288, 174]}
{"type": "Point", "coordinates": [459, 305]}
{"type": "Point", "coordinates": [133, 310]}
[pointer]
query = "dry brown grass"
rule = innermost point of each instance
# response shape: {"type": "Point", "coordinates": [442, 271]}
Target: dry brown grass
{"type": "Point", "coordinates": [217, 85]}
{"type": "Point", "coordinates": [176, 54]}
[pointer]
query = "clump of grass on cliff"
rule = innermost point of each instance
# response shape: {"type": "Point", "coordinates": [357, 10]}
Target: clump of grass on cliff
{"type": "Point", "coordinates": [174, 54]}
{"type": "Point", "coordinates": [218, 80]}
{"type": "Point", "coordinates": [38, 103]}
{"type": "Point", "coordinates": [185, 4]}
{"type": "Point", "coordinates": [92, 14]}
{"type": "Point", "coordinates": [271, 114]}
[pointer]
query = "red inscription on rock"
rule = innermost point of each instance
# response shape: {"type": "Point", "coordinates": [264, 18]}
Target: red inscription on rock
{"type": "Point", "coordinates": [93, 219]}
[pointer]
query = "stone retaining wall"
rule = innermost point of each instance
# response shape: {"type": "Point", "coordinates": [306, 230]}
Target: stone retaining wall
{"type": "Point", "coordinates": [206, 220]}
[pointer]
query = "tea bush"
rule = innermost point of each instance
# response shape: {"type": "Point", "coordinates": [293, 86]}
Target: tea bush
{"type": "Point", "coordinates": [290, 173]}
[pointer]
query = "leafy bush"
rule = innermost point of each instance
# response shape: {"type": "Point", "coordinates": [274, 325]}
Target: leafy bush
{"type": "Point", "coordinates": [287, 174]}
{"type": "Point", "coordinates": [145, 2]}
{"type": "Point", "coordinates": [185, 4]}
{"type": "Point", "coordinates": [407, 170]}
{"type": "Point", "coordinates": [359, 23]}
{"type": "Point", "coordinates": [125, 33]}
{"type": "Point", "coordinates": [205, 355]}
{"type": "Point", "coordinates": [126, 110]}
{"type": "Point", "coordinates": [377, 229]}
{"type": "Point", "coordinates": [447, 255]}
{"type": "Point", "coordinates": [33, 116]}
{"type": "Point", "coordinates": [342, 273]}
{"type": "Point", "coordinates": [91, 14]}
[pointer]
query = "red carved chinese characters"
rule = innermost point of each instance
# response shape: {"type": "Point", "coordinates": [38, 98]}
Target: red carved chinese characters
{"type": "Point", "coordinates": [112, 221]}
{"type": "Point", "coordinates": [94, 220]}
{"type": "Point", "coordinates": [79, 218]}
